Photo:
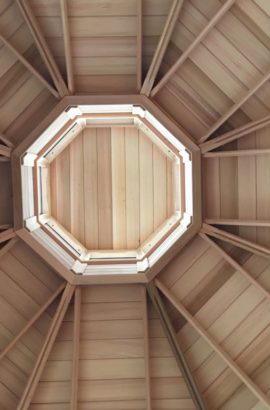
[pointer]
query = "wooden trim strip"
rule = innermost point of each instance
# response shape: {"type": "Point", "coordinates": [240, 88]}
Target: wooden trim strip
{"type": "Point", "coordinates": [76, 347]}
{"type": "Point", "coordinates": [239, 222]}
{"type": "Point", "coordinates": [6, 235]}
{"type": "Point", "coordinates": [178, 353]}
{"type": "Point", "coordinates": [162, 46]}
{"type": "Point", "coordinates": [139, 44]}
{"type": "Point", "coordinates": [237, 153]}
{"type": "Point", "coordinates": [212, 342]}
{"type": "Point", "coordinates": [31, 322]}
{"type": "Point", "coordinates": [185, 55]}
{"type": "Point", "coordinates": [67, 45]}
{"type": "Point", "coordinates": [146, 349]}
{"type": "Point", "coordinates": [5, 151]}
{"type": "Point", "coordinates": [43, 47]}
{"type": "Point", "coordinates": [29, 66]}
{"type": "Point", "coordinates": [236, 240]}
{"type": "Point", "coordinates": [236, 106]}
{"type": "Point", "coordinates": [235, 265]}
{"type": "Point", "coordinates": [8, 246]}
{"type": "Point", "coordinates": [33, 380]}
{"type": "Point", "coordinates": [239, 132]}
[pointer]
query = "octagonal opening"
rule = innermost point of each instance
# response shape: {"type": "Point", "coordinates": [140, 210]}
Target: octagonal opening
{"type": "Point", "coordinates": [111, 185]}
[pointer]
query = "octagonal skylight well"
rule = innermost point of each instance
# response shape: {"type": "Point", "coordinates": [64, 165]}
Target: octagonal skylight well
{"type": "Point", "coordinates": [107, 189]}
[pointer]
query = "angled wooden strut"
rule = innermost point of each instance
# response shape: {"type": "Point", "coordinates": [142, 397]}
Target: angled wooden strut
{"type": "Point", "coordinates": [76, 347]}
{"type": "Point", "coordinates": [46, 348]}
{"type": "Point", "coordinates": [31, 322]}
{"type": "Point", "coordinates": [179, 356]}
{"type": "Point", "coordinates": [67, 45]}
{"type": "Point", "coordinates": [233, 135]}
{"type": "Point", "coordinates": [6, 235]}
{"type": "Point", "coordinates": [5, 151]}
{"type": "Point", "coordinates": [139, 44]}
{"type": "Point", "coordinates": [43, 47]}
{"type": "Point", "coordinates": [29, 66]}
{"type": "Point", "coordinates": [8, 245]}
{"type": "Point", "coordinates": [243, 376]}
{"type": "Point", "coordinates": [236, 240]}
{"type": "Point", "coordinates": [162, 46]}
{"type": "Point", "coordinates": [226, 6]}
{"type": "Point", "coordinates": [146, 349]}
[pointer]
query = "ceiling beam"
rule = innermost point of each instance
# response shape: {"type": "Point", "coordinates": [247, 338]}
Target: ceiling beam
{"type": "Point", "coordinates": [139, 44]}
{"type": "Point", "coordinates": [237, 153]}
{"type": "Point", "coordinates": [178, 353]}
{"type": "Point", "coordinates": [8, 246]}
{"type": "Point", "coordinates": [6, 140]}
{"type": "Point", "coordinates": [236, 265]}
{"type": "Point", "coordinates": [6, 235]}
{"type": "Point", "coordinates": [67, 45]}
{"type": "Point", "coordinates": [236, 106]}
{"type": "Point", "coordinates": [76, 347]}
{"type": "Point", "coordinates": [253, 387]}
{"type": "Point", "coordinates": [238, 132]}
{"type": "Point", "coordinates": [57, 320]}
{"type": "Point", "coordinates": [236, 240]}
{"type": "Point", "coordinates": [162, 46]}
{"type": "Point", "coordinates": [5, 151]}
{"type": "Point", "coordinates": [146, 349]}
{"type": "Point", "coordinates": [43, 47]}
{"type": "Point", "coordinates": [239, 222]}
{"type": "Point", "coordinates": [29, 66]}
{"type": "Point", "coordinates": [186, 54]}
{"type": "Point", "coordinates": [31, 322]}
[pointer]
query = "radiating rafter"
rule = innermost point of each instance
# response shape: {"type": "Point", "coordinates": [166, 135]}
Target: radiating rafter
{"type": "Point", "coordinates": [139, 43]}
{"type": "Point", "coordinates": [33, 380]}
{"type": "Point", "coordinates": [237, 153]}
{"type": "Point", "coordinates": [238, 104]}
{"type": "Point", "coordinates": [146, 349]}
{"type": "Point", "coordinates": [6, 140]}
{"type": "Point", "coordinates": [226, 6]}
{"type": "Point", "coordinates": [5, 151]}
{"type": "Point", "coordinates": [43, 47]}
{"type": "Point", "coordinates": [162, 46]}
{"type": "Point", "coordinates": [8, 245]}
{"type": "Point", "coordinates": [178, 353]}
{"type": "Point", "coordinates": [235, 265]}
{"type": "Point", "coordinates": [234, 134]}
{"type": "Point", "coordinates": [243, 376]}
{"type": "Point", "coordinates": [76, 347]}
{"type": "Point", "coordinates": [258, 223]}
{"type": "Point", "coordinates": [29, 66]}
{"type": "Point", "coordinates": [236, 240]}
{"type": "Point", "coordinates": [67, 45]}
{"type": "Point", "coordinates": [6, 235]}
{"type": "Point", "coordinates": [31, 322]}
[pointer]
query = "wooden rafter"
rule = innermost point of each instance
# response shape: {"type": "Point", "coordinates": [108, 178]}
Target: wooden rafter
{"type": "Point", "coordinates": [67, 45]}
{"type": "Point", "coordinates": [146, 349]}
{"type": "Point", "coordinates": [236, 265]}
{"type": "Point", "coordinates": [239, 222]}
{"type": "Point", "coordinates": [43, 47]}
{"type": "Point", "coordinates": [76, 345]}
{"type": "Point", "coordinates": [6, 140]}
{"type": "Point", "coordinates": [162, 46]}
{"type": "Point", "coordinates": [226, 6]}
{"type": "Point", "coordinates": [29, 66]}
{"type": "Point", "coordinates": [236, 240]}
{"type": "Point", "coordinates": [139, 44]}
{"type": "Point", "coordinates": [253, 387]}
{"type": "Point", "coordinates": [5, 151]}
{"type": "Point", "coordinates": [6, 235]}
{"type": "Point", "coordinates": [179, 356]}
{"type": "Point", "coordinates": [31, 322]}
{"type": "Point", "coordinates": [237, 153]}
{"type": "Point", "coordinates": [239, 132]}
{"type": "Point", "coordinates": [8, 245]}
{"type": "Point", "coordinates": [236, 106]}
{"type": "Point", "coordinates": [29, 391]}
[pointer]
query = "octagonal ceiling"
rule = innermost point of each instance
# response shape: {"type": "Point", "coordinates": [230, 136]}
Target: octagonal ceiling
{"type": "Point", "coordinates": [72, 341]}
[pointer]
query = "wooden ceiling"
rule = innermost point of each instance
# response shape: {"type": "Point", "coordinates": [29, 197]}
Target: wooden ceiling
{"type": "Point", "coordinates": [202, 337]}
